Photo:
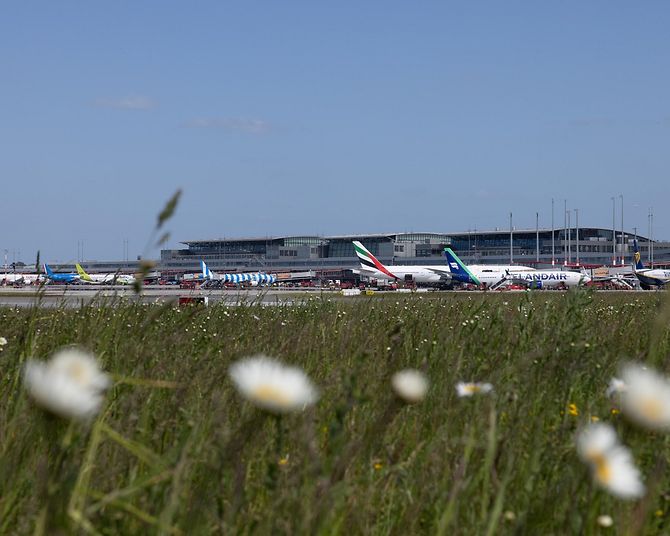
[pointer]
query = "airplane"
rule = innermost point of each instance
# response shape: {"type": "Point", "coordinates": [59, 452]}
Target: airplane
{"type": "Point", "coordinates": [648, 277]}
{"type": "Point", "coordinates": [253, 278]}
{"type": "Point", "coordinates": [60, 278]}
{"type": "Point", "coordinates": [104, 279]}
{"type": "Point", "coordinates": [371, 267]}
{"type": "Point", "coordinates": [18, 279]}
{"type": "Point", "coordinates": [480, 273]}
{"type": "Point", "coordinates": [497, 275]}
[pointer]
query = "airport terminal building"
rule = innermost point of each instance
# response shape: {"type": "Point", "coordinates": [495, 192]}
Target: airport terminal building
{"type": "Point", "coordinates": [330, 255]}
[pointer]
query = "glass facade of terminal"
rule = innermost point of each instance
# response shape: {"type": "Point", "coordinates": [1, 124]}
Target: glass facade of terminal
{"type": "Point", "coordinates": [588, 246]}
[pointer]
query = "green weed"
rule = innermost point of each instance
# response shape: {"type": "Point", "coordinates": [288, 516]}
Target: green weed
{"type": "Point", "coordinates": [177, 451]}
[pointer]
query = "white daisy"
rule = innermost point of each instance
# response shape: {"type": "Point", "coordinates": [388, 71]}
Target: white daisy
{"type": "Point", "coordinates": [611, 463]}
{"type": "Point", "coordinates": [410, 385]}
{"type": "Point", "coordinates": [473, 388]}
{"type": "Point", "coordinates": [595, 440]}
{"type": "Point", "coordinates": [3, 341]}
{"type": "Point", "coordinates": [605, 521]}
{"type": "Point", "coordinates": [646, 399]}
{"type": "Point", "coordinates": [616, 386]}
{"type": "Point", "coordinates": [70, 385]}
{"type": "Point", "coordinates": [272, 385]}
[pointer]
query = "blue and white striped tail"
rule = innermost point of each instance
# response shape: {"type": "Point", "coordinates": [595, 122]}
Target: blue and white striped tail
{"type": "Point", "coordinates": [206, 273]}
{"type": "Point", "coordinates": [259, 277]}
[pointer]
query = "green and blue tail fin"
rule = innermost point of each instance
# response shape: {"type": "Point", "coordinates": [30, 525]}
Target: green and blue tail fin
{"type": "Point", "coordinates": [459, 272]}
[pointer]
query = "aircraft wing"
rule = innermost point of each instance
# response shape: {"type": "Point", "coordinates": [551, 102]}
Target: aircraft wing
{"type": "Point", "coordinates": [648, 279]}
{"type": "Point", "coordinates": [444, 273]}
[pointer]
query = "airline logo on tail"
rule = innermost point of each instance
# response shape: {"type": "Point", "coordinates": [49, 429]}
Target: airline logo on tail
{"type": "Point", "coordinates": [459, 271]}
{"type": "Point", "coordinates": [82, 273]}
{"type": "Point", "coordinates": [637, 259]}
{"type": "Point", "coordinates": [368, 260]}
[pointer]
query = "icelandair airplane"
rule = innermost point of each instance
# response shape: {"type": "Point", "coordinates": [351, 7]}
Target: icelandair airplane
{"type": "Point", "coordinates": [481, 273]}
{"type": "Point", "coordinates": [371, 267]}
{"type": "Point", "coordinates": [60, 278]}
{"type": "Point", "coordinates": [513, 274]}
{"type": "Point", "coordinates": [104, 279]}
{"type": "Point", "coordinates": [648, 277]}
{"type": "Point", "coordinates": [254, 278]}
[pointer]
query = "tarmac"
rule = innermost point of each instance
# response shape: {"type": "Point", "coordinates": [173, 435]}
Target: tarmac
{"type": "Point", "coordinates": [72, 296]}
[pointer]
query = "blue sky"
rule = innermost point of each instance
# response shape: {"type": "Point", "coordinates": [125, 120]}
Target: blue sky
{"type": "Point", "coordinates": [312, 118]}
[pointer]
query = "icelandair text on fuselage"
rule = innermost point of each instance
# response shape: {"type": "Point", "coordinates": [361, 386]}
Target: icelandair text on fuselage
{"type": "Point", "coordinates": [543, 277]}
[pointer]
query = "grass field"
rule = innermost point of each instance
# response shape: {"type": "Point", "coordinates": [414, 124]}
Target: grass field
{"type": "Point", "coordinates": [176, 450]}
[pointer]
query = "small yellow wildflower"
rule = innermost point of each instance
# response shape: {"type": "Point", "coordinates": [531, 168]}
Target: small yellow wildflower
{"type": "Point", "coordinates": [658, 513]}
{"type": "Point", "coordinates": [377, 466]}
{"type": "Point", "coordinates": [594, 418]}
{"type": "Point", "coordinates": [573, 410]}
{"type": "Point", "coordinates": [284, 460]}
{"type": "Point", "coordinates": [615, 411]}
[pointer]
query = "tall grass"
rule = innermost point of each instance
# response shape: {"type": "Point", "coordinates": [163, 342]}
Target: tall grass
{"type": "Point", "coordinates": [176, 451]}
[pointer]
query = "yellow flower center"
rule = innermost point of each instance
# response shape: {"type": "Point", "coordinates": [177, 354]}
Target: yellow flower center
{"type": "Point", "coordinates": [651, 408]}
{"type": "Point", "coordinates": [271, 395]}
{"type": "Point", "coordinates": [79, 373]}
{"type": "Point", "coordinates": [572, 410]}
{"type": "Point", "coordinates": [603, 470]}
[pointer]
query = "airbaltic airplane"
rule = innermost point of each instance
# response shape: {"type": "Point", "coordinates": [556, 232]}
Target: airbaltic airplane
{"type": "Point", "coordinates": [104, 279]}
{"type": "Point", "coordinates": [254, 278]}
{"type": "Point", "coordinates": [371, 267]}
{"type": "Point", "coordinates": [60, 278]}
{"type": "Point", "coordinates": [648, 277]}
{"type": "Point", "coordinates": [513, 274]}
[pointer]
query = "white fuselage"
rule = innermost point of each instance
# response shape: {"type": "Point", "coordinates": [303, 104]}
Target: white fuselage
{"type": "Point", "coordinates": [418, 274]}
{"type": "Point", "coordinates": [11, 278]}
{"type": "Point", "coordinates": [491, 274]}
{"type": "Point", "coordinates": [110, 279]}
{"type": "Point", "coordinates": [549, 278]}
{"type": "Point", "coordinates": [653, 276]}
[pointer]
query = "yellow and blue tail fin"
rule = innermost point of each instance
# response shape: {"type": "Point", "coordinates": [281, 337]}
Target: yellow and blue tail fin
{"type": "Point", "coordinates": [637, 259]}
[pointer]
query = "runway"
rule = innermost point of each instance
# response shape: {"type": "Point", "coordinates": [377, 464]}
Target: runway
{"type": "Point", "coordinates": [72, 296]}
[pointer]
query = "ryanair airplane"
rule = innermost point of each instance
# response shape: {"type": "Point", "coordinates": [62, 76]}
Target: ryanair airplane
{"type": "Point", "coordinates": [648, 277]}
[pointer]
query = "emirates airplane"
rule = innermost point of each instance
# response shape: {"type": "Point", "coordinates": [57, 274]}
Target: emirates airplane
{"type": "Point", "coordinates": [371, 267]}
